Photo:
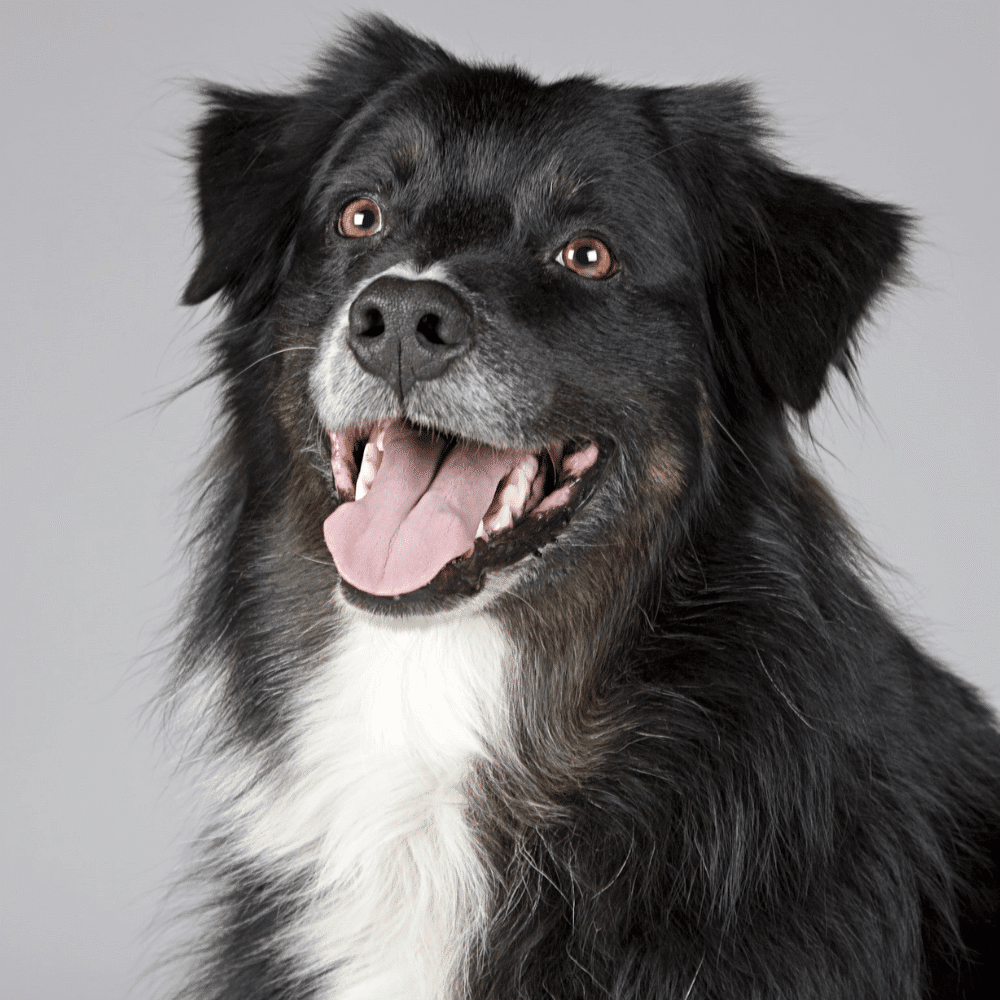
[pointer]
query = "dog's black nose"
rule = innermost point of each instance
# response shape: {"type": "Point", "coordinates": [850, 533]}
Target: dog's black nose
{"type": "Point", "coordinates": [407, 331]}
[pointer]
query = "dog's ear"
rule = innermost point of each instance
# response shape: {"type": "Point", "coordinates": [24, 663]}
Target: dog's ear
{"type": "Point", "coordinates": [255, 155]}
{"type": "Point", "coordinates": [251, 179]}
{"type": "Point", "coordinates": [792, 264]}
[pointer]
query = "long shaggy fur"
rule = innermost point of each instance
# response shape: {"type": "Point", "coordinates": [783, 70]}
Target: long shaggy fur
{"type": "Point", "coordinates": [679, 749]}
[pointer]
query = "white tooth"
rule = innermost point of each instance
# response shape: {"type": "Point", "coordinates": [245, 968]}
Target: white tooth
{"type": "Point", "coordinates": [522, 488]}
{"type": "Point", "coordinates": [481, 532]}
{"type": "Point", "coordinates": [507, 497]}
{"type": "Point", "coordinates": [366, 474]}
{"type": "Point", "coordinates": [380, 440]}
{"type": "Point", "coordinates": [502, 520]}
{"type": "Point", "coordinates": [537, 489]}
{"type": "Point", "coordinates": [513, 496]}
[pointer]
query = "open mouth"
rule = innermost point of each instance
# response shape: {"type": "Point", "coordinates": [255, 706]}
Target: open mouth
{"type": "Point", "coordinates": [424, 510]}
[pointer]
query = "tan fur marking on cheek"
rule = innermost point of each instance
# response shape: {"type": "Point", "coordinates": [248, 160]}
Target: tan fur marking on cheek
{"type": "Point", "coordinates": [665, 470]}
{"type": "Point", "coordinates": [405, 158]}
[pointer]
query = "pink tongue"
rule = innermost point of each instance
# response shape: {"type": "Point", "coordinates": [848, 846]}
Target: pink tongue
{"type": "Point", "coordinates": [412, 522]}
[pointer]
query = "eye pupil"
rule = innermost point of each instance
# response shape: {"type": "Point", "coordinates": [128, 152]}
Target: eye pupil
{"type": "Point", "coordinates": [583, 255]}
{"type": "Point", "coordinates": [365, 219]}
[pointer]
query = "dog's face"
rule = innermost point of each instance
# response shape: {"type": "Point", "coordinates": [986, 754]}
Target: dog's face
{"type": "Point", "coordinates": [488, 272]}
{"type": "Point", "coordinates": [499, 326]}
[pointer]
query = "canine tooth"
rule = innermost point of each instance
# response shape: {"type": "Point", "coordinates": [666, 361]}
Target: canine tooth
{"type": "Point", "coordinates": [481, 532]}
{"type": "Point", "coordinates": [366, 474]}
{"type": "Point", "coordinates": [513, 494]}
{"type": "Point", "coordinates": [521, 493]}
{"type": "Point", "coordinates": [501, 520]}
{"type": "Point", "coordinates": [537, 479]}
{"type": "Point", "coordinates": [512, 491]}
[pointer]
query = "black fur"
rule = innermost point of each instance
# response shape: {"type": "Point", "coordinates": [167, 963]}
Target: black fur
{"type": "Point", "coordinates": [735, 776]}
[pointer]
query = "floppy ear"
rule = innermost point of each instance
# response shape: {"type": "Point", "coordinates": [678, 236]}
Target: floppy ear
{"type": "Point", "coordinates": [797, 276]}
{"type": "Point", "coordinates": [256, 153]}
{"type": "Point", "coordinates": [792, 264]}
{"type": "Point", "coordinates": [251, 181]}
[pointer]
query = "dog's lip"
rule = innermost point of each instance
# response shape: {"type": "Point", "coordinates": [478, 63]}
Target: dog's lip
{"type": "Point", "coordinates": [532, 530]}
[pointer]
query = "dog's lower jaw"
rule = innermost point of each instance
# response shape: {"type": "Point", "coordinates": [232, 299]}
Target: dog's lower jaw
{"type": "Point", "coordinates": [371, 806]}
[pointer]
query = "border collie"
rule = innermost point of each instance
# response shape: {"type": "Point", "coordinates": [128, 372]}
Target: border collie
{"type": "Point", "coordinates": [535, 660]}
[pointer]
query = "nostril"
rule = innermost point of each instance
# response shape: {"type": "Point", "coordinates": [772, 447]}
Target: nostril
{"type": "Point", "coordinates": [429, 327]}
{"type": "Point", "coordinates": [374, 324]}
{"type": "Point", "coordinates": [405, 331]}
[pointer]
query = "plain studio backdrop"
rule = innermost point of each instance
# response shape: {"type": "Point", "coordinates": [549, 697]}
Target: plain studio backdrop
{"type": "Point", "coordinates": [898, 101]}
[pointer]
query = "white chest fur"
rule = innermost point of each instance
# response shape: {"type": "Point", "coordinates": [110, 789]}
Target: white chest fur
{"type": "Point", "coordinates": [373, 802]}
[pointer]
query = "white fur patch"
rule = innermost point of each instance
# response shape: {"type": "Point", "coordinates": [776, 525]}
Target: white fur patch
{"type": "Point", "coordinates": [373, 803]}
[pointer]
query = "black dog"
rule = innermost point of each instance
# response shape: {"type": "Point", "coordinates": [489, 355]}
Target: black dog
{"type": "Point", "coordinates": [538, 662]}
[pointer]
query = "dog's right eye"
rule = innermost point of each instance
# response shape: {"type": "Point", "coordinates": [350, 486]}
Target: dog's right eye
{"type": "Point", "coordinates": [361, 217]}
{"type": "Point", "coordinates": [588, 257]}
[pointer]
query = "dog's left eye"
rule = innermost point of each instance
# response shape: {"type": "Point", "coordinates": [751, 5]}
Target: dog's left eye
{"type": "Point", "coordinates": [361, 217]}
{"type": "Point", "coordinates": [586, 256]}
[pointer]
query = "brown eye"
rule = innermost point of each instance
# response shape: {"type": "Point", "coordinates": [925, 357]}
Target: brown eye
{"type": "Point", "coordinates": [587, 256]}
{"type": "Point", "coordinates": [361, 217]}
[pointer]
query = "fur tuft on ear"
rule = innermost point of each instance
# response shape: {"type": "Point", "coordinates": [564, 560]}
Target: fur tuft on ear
{"type": "Point", "coordinates": [792, 265]}
{"type": "Point", "coordinates": [382, 50]}
{"type": "Point", "coordinates": [256, 153]}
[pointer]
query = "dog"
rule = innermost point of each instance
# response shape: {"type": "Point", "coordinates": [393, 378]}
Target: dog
{"type": "Point", "coordinates": [534, 659]}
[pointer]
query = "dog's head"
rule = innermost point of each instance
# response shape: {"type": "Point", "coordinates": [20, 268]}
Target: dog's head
{"type": "Point", "coordinates": [486, 334]}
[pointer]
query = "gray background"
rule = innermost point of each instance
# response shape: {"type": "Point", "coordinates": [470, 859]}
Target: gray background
{"type": "Point", "coordinates": [898, 101]}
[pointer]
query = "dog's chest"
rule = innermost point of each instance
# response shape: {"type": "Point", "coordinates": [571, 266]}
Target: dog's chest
{"type": "Point", "coordinates": [375, 799]}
